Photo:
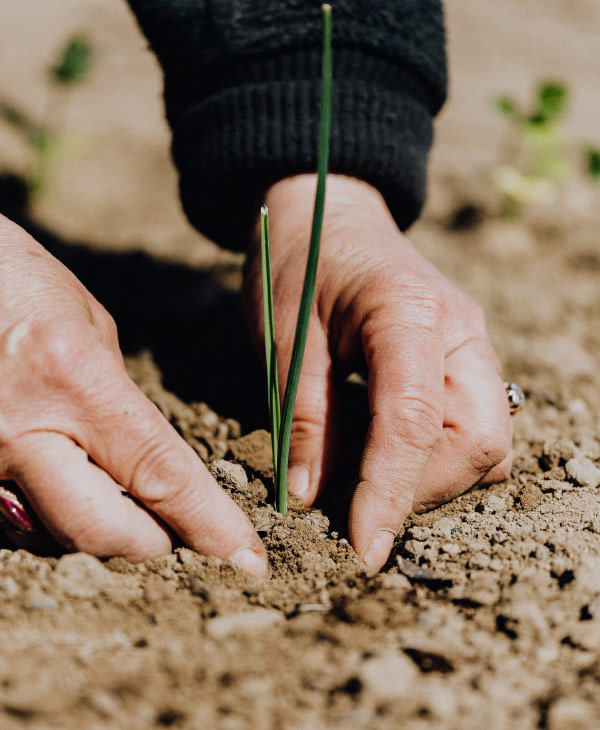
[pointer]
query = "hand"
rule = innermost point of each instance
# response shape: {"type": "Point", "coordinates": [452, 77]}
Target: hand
{"type": "Point", "coordinates": [75, 430]}
{"type": "Point", "coordinates": [439, 414]}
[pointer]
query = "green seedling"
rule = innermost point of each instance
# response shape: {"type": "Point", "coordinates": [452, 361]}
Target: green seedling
{"type": "Point", "coordinates": [281, 423]}
{"type": "Point", "coordinates": [46, 139]}
{"type": "Point", "coordinates": [537, 159]}
{"type": "Point", "coordinates": [74, 62]}
{"type": "Point", "coordinates": [592, 155]}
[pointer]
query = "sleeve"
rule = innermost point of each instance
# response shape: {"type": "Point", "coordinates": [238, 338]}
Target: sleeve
{"type": "Point", "coordinates": [242, 94]}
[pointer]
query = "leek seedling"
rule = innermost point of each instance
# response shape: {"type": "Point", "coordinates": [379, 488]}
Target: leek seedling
{"type": "Point", "coordinates": [270, 350]}
{"type": "Point", "coordinates": [281, 425]}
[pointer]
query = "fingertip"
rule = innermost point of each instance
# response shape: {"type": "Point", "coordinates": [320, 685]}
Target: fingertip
{"type": "Point", "coordinates": [379, 548]}
{"type": "Point", "coordinates": [376, 517]}
{"type": "Point", "coordinates": [250, 561]}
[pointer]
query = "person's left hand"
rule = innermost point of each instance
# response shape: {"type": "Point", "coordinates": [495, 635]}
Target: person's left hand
{"type": "Point", "coordinates": [439, 412]}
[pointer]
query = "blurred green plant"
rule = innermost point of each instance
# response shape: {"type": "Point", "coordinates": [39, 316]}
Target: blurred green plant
{"type": "Point", "coordinates": [47, 138]}
{"type": "Point", "coordinates": [74, 63]}
{"type": "Point", "coordinates": [536, 158]}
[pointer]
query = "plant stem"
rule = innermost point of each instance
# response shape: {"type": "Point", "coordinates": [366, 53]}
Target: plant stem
{"type": "Point", "coordinates": [269, 326]}
{"type": "Point", "coordinates": [308, 290]}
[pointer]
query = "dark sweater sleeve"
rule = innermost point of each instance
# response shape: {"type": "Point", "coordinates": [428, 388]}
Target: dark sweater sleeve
{"type": "Point", "coordinates": [242, 93]}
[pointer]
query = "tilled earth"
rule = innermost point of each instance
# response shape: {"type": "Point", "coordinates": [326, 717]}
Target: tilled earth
{"type": "Point", "coordinates": [487, 615]}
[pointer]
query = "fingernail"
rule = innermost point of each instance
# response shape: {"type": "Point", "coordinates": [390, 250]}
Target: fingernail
{"type": "Point", "coordinates": [13, 511]}
{"type": "Point", "coordinates": [379, 549]}
{"type": "Point", "coordinates": [298, 480]}
{"type": "Point", "coordinates": [250, 561]}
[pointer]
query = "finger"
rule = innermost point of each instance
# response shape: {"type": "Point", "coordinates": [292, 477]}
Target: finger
{"type": "Point", "coordinates": [132, 441]}
{"type": "Point", "coordinates": [475, 445]}
{"type": "Point", "coordinates": [81, 506]}
{"type": "Point", "coordinates": [406, 377]}
{"type": "Point", "coordinates": [314, 436]}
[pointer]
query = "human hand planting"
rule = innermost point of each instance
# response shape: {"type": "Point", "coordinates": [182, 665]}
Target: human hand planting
{"type": "Point", "coordinates": [439, 415]}
{"type": "Point", "coordinates": [75, 430]}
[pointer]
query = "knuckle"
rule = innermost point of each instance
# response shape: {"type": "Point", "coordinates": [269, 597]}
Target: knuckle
{"type": "Point", "coordinates": [159, 475]}
{"type": "Point", "coordinates": [307, 428]}
{"type": "Point", "coordinates": [106, 324]}
{"type": "Point", "coordinates": [66, 355]}
{"type": "Point", "coordinates": [417, 423]}
{"type": "Point", "coordinates": [389, 497]}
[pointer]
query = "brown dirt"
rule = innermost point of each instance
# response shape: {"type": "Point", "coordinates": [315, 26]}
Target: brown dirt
{"type": "Point", "coordinates": [488, 614]}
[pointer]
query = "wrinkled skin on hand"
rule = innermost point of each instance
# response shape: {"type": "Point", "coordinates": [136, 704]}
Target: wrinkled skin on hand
{"type": "Point", "coordinates": [75, 430]}
{"type": "Point", "coordinates": [439, 415]}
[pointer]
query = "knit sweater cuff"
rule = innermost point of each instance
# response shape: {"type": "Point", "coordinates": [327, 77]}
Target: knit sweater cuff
{"type": "Point", "coordinates": [232, 144]}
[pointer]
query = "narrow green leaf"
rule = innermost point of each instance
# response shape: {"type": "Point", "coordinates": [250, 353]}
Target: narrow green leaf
{"type": "Point", "coordinates": [269, 327]}
{"type": "Point", "coordinates": [308, 289]}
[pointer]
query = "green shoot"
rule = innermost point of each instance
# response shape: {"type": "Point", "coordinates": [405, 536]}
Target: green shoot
{"type": "Point", "coordinates": [74, 62]}
{"type": "Point", "coordinates": [593, 161]}
{"type": "Point", "coordinates": [270, 349]}
{"type": "Point", "coordinates": [282, 448]}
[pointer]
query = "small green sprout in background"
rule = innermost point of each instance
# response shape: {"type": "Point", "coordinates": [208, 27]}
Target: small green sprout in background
{"type": "Point", "coordinates": [74, 62]}
{"type": "Point", "coordinates": [46, 139]}
{"type": "Point", "coordinates": [593, 161]}
{"type": "Point", "coordinates": [536, 159]}
{"type": "Point", "coordinates": [281, 424]}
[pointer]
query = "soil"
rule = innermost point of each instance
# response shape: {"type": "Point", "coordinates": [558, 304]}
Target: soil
{"type": "Point", "coordinates": [488, 613]}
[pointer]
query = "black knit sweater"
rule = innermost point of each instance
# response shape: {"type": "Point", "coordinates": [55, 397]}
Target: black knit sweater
{"type": "Point", "coordinates": [242, 91]}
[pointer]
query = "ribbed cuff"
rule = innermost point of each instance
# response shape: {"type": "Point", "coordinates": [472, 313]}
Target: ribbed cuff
{"type": "Point", "coordinates": [232, 145]}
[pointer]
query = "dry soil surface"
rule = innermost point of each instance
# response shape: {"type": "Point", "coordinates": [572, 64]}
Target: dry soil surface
{"type": "Point", "coordinates": [488, 613]}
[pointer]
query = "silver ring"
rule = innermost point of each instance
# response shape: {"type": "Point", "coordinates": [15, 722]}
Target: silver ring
{"type": "Point", "coordinates": [516, 398]}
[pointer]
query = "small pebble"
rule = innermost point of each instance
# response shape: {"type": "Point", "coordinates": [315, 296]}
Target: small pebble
{"type": "Point", "coordinates": [451, 548]}
{"type": "Point", "coordinates": [230, 474]}
{"type": "Point", "coordinates": [529, 498]}
{"type": "Point", "coordinates": [390, 676]}
{"type": "Point", "coordinates": [43, 603]}
{"type": "Point", "coordinates": [572, 714]}
{"type": "Point", "coordinates": [583, 472]}
{"type": "Point", "coordinates": [209, 420]}
{"type": "Point", "coordinates": [80, 575]}
{"type": "Point", "coordinates": [9, 588]}
{"type": "Point", "coordinates": [235, 430]}
{"type": "Point", "coordinates": [479, 561]}
{"type": "Point", "coordinates": [495, 504]}
{"type": "Point", "coordinates": [419, 533]}
{"type": "Point", "coordinates": [556, 451]}
{"type": "Point", "coordinates": [249, 622]}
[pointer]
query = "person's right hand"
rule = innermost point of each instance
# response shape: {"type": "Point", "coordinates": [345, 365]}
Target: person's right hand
{"type": "Point", "coordinates": [75, 430]}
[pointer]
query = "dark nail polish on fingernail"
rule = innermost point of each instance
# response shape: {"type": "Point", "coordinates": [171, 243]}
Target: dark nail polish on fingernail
{"type": "Point", "coordinates": [379, 549]}
{"type": "Point", "coordinates": [13, 512]}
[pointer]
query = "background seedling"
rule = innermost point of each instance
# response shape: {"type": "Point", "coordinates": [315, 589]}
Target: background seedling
{"type": "Point", "coordinates": [536, 159]}
{"type": "Point", "coordinates": [281, 426]}
{"type": "Point", "coordinates": [46, 138]}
